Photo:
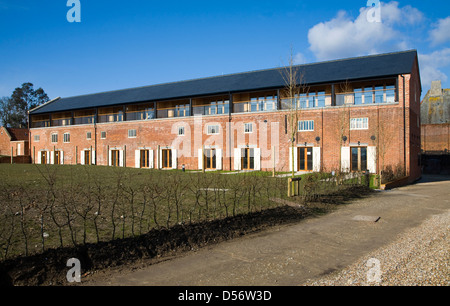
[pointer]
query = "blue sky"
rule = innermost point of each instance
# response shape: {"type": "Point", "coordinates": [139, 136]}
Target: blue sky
{"type": "Point", "coordinates": [123, 44]}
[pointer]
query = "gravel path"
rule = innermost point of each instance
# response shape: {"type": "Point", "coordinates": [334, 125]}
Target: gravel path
{"type": "Point", "coordinates": [419, 257]}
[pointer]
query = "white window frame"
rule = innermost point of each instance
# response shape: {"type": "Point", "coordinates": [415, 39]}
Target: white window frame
{"type": "Point", "coordinates": [248, 128]}
{"type": "Point", "coordinates": [88, 135]}
{"type": "Point", "coordinates": [213, 129]}
{"type": "Point", "coordinates": [306, 126]}
{"type": "Point", "coordinates": [132, 133]}
{"type": "Point", "coordinates": [37, 138]}
{"type": "Point", "coordinates": [181, 131]}
{"type": "Point", "coordinates": [56, 138]}
{"type": "Point", "coordinates": [359, 124]}
{"type": "Point", "coordinates": [66, 138]}
{"type": "Point", "coordinates": [101, 135]}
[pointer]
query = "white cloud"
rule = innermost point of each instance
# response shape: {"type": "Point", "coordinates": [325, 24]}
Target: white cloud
{"type": "Point", "coordinates": [441, 33]}
{"type": "Point", "coordinates": [344, 36]}
{"type": "Point", "coordinates": [300, 59]}
{"type": "Point", "coordinates": [431, 66]}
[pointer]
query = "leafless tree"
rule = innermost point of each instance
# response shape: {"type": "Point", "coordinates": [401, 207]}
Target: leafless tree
{"type": "Point", "coordinates": [294, 86]}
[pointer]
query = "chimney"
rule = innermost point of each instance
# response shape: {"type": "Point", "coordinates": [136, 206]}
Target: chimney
{"type": "Point", "coordinates": [436, 89]}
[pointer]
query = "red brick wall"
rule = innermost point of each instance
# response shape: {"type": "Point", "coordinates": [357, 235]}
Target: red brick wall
{"type": "Point", "coordinates": [5, 148]}
{"type": "Point", "coordinates": [435, 137]}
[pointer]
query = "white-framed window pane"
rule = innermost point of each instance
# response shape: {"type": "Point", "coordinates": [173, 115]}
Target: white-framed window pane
{"type": "Point", "coordinates": [54, 137]}
{"type": "Point", "coordinates": [359, 123]}
{"type": "Point", "coordinates": [181, 131]}
{"type": "Point", "coordinates": [103, 135]}
{"type": "Point", "coordinates": [306, 125]}
{"type": "Point", "coordinates": [248, 128]}
{"type": "Point", "coordinates": [37, 138]}
{"type": "Point", "coordinates": [131, 133]}
{"type": "Point", "coordinates": [213, 129]}
{"type": "Point", "coordinates": [88, 135]}
{"type": "Point", "coordinates": [66, 137]}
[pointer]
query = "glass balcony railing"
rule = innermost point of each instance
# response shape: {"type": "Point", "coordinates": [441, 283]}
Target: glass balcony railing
{"type": "Point", "coordinates": [255, 106]}
{"type": "Point", "coordinates": [211, 109]}
{"type": "Point", "coordinates": [367, 96]}
{"type": "Point", "coordinates": [180, 111]}
{"type": "Point", "coordinates": [305, 101]}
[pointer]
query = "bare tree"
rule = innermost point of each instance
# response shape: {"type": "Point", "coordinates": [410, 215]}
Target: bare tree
{"type": "Point", "coordinates": [343, 125]}
{"type": "Point", "coordinates": [295, 85]}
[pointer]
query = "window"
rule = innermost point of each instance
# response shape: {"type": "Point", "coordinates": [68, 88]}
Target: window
{"type": "Point", "coordinates": [248, 159]}
{"type": "Point", "coordinates": [359, 123]}
{"type": "Point", "coordinates": [359, 158]}
{"type": "Point", "coordinates": [210, 159]}
{"type": "Point", "coordinates": [87, 157]}
{"type": "Point", "coordinates": [131, 133]}
{"type": "Point", "coordinates": [306, 125]}
{"type": "Point", "coordinates": [103, 135]}
{"type": "Point", "coordinates": [37, 138]}
{"type": "Point", "coordinates": [57, 158]}
{"type": "Point", "coordinates": [110, 114]}
{"type": "Point", "coordinates": [368, 95]}
{"type": "Point", "coordinates": [66, 137]}
{"type": "Point", "coordinates": [115, 158]}
{"type": "Point", "coordinates": [358, 96]}
{"type": "Point", "coordinates": [248, 128]}
{"type": "Point", "coordinates": [181, 131]}
{"type": "Point", "coordinates": [305, 159]}
{"type": "Point", "coordinates": [213, 129]}
{"type": "Point", "coordinates": [379, 94]}
{"type": "Point", "coordinates": [166, 158]}
{"type": "Point", "coordinates": [140, 112]}
{"type": "Point", "coordinates": [54, 138]}
{"type": "Point", "coordinates": [390, 94]}
{"type": "Point", "coordinates": [145, 159]}
{"type": "Point", "coordinates": [88, 135]}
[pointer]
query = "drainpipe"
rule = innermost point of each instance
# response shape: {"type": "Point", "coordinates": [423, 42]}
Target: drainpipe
{"type": "Point", "coordinates": [404, 123]}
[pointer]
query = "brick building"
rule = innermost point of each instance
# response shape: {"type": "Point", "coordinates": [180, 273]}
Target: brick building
{"type": "Point", "coordinates": [14, 142]}
{"type": "Point", "coordinates": [435, 120]}
{"type": "Point", "coordinates": [357, 114]}
{"type": "Point", "coordinates": [435, 129]}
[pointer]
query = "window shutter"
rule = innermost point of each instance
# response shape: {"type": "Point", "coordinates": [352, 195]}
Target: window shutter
{"type": "Point", "coordinates": [237, 159]}
{"type": "Point", "coordinates": [110, 158]}
{"type": "Point", "coordinates": [257, 158]}
{"type": "Point", "coordinates": [82, 162]}
{"type": "Point", "coordinates": [61, 154]}
{"type": "Point", "coordinates": [174, 159]}
{"type": "Point", "coordinates": [121, 157]}
{"type": "Point", "coordinates": [93, 157]}
{"type": "Point", "coordinates": [316, 159]}
{"type": "Point", "coordinates": [219, 159]}
{"type": "Point", "coordinates": [151, 163]}
{"type": "Point", "coordinates": [39, 157]}
{"type": "Point", "coordinates": [52, 157]}
{"type": "Point", "coordinates": [48, 157]}
{"type": "Point", "coordinates": [295, 158]}
{"type": "Point", "coordinates": [371, 159]}
{"type": "Point", "coordinates": [159, 158]}
{"type": "Point", "coordinates": [137, 158]}
{"type": "Point", "coordinates": [345, 159]}
{"type": "Point", "coordinates": [200, 159]}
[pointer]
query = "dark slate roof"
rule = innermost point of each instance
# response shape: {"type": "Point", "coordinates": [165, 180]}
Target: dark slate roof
{"type": "Point", "coordinates": [366, 67]}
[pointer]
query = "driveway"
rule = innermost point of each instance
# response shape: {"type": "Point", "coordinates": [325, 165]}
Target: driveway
{"type": "Point", "coordinates": [292, 254]}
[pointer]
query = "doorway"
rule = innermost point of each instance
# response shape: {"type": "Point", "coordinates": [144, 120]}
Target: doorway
{"type": "Point", "coordinates": [305, 159]}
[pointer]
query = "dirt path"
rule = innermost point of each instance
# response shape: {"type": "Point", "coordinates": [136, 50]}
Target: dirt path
{"type": "Point", "coordinates": [293, 254]}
